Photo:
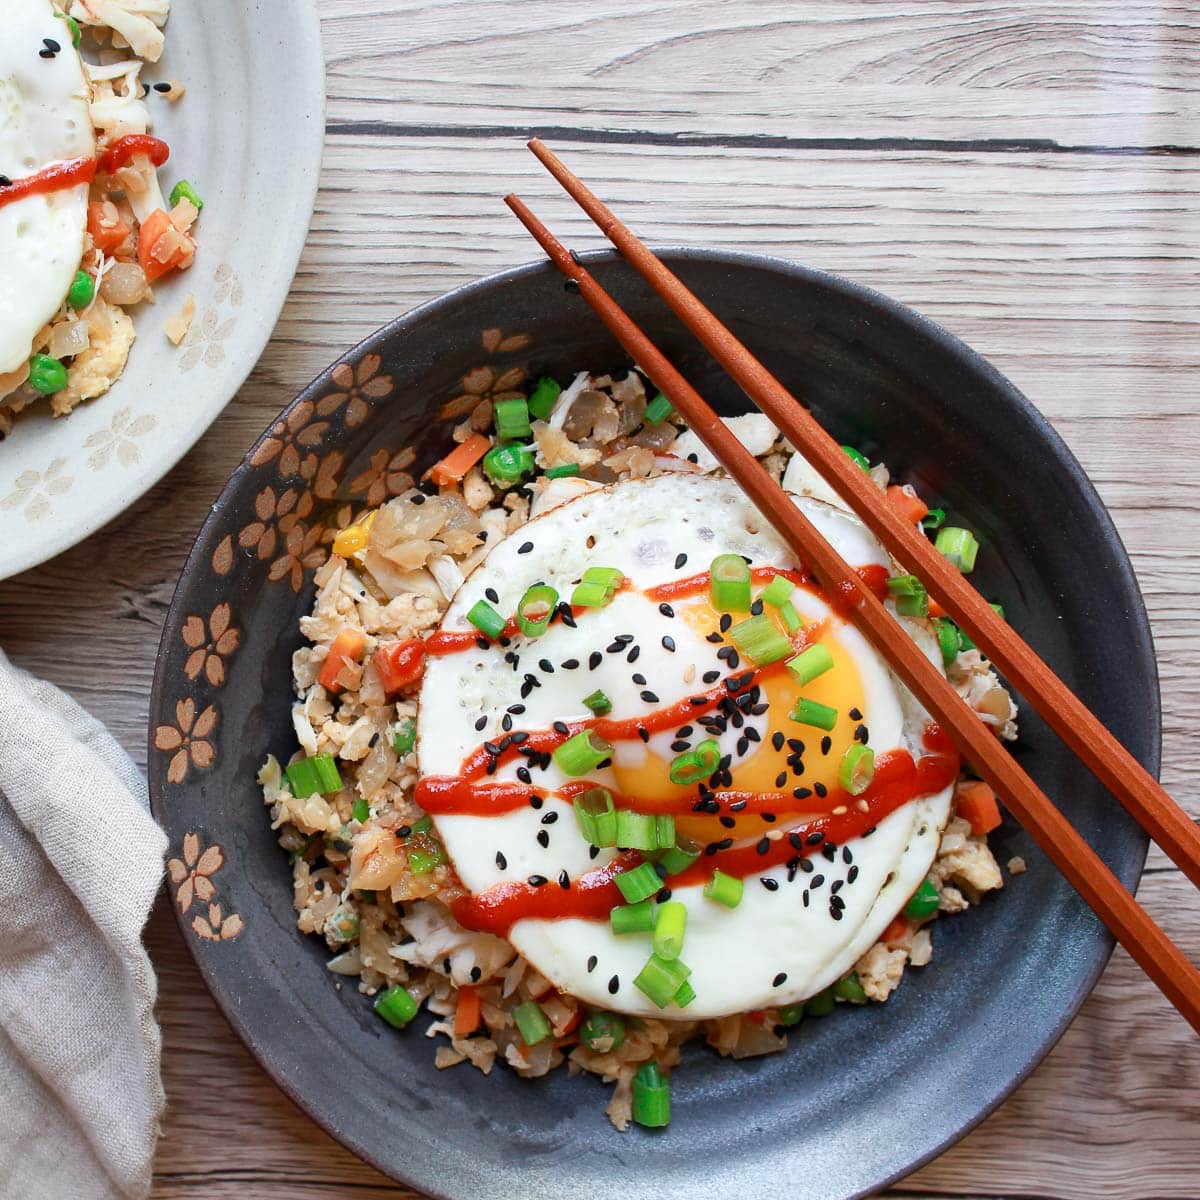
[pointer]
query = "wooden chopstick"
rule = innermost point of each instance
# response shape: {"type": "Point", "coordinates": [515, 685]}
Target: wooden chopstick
{"type": "Point", "coordinates": [1147, 944]}
{"type": "Point", "coordinates": [1136, 789]}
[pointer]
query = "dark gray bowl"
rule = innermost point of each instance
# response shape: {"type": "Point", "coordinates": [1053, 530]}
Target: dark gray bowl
{"type": "Point", "coordinates": [860, 1098]}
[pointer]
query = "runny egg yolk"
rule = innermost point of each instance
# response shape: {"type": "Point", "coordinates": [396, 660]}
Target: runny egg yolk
{"type": "Point", "coordinates": [764, 769]}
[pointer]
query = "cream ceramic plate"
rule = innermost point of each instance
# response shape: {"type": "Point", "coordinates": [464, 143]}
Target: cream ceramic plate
{"type": "Point", "coordinates": [249, 134]}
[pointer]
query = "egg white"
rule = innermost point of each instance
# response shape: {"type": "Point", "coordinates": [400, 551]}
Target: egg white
{"type": "Point", "coordinates": [44, 119]}
{"type": "Point", "coordinates": [644, 528]}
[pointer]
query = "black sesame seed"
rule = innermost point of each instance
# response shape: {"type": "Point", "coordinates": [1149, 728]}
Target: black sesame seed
{"type": "Point", "coordinates": [835, 913]}
{"type": "Point", "coordinates": [572, 286]}
{"type": "Point", "coordinates": [769, 818]}
{"type": "Point", "coordinates": [491, 747]}
{"type": "Point", "coordinates": [795, 839]}
{"type": "Point", "coordinates": [535, 801]}
{"type": "Point", "coordinates": [561, 727]}
{"type": "Point", "coordinates": [476, 974]}
{"type": "Point", "coordinates": [804, 897]}
{"type": "Point", "coordinates": [594, 660]}
{"type": "Point", "coordinates": [482, 643]}
{"type": "Point", "coordinates": [624, 638]}
{"type": "Point", "coordinates": [614, 647]}
{"type": "Point", "coordinates": [545, 665]}
{"type": "Point", "coordinates": [668, 644]}
{"type": "Point", "coordinates": [639, 678]}
{"type": "Point", "coordinates": [826, 743]}
{"type": "Point", "coordinates": [713, 637]}
{"type": "Point", "coordinates": [726, 621]}
{"type": "Point", "coordinates": [680, 559]}
{"type": "Point", "coordinates": [777, 740]}
{"type": "Point", "coordinates": [821, 790]}
{"type": "Point", "coordinates": [835, 887]}
{"type": "Point", "coordinates": [481, 723]}
{"type": "Point", "coordinates": [852, 874]}
{"type": "Point", "coordinates": [855, 715]}
{"type": "Point", "coordinates": [829, 850]}
{"type": "Point", "coordinates": [501, 861]}
{"type": "Point", "coordinates": [697, 700]}
{"type": "Point", "coordinates": [807, 866]}
{"type": "Point", "coordinates": [847, 857]}
{"type": "Point", "coordinates": [693, 458]}
{"type": "Point", "coordinates": [736, 806]}
{"type": "Point", "coordinates": [802, 793]}
{"type": "Point", "coordinates": [45, 54]}
{"type": "Point", "coordinates": [446, 965]}
{"type": "Point", "coordinates": [550, 818]}
{"type": "Point", "coordinates": [666, 610]}
{"type": "Point", "coordinates": [537, 881]}
{"type": "Point", "coordinates": [592, 963]}
{"type": "Point", "coordinates": [781, 779]}
{"type": "Point", "coordinates": [862, 734]}
{"type": "Point", "coordinates": [634, 654]}
{"type": "Point", "coordinates": [728, 822]}
{"type": "Point", "coordinates": [569, 664]}
{"type": "Point", "coordinates": [816, 881]}
{"type": "Point", "coordinates": [816, 838]}
{"type": "Point", "coordinates": [756, 608]}
{"type": "Point", "coordinates": [779, 979]}
{"type": "Point", "coordinates": [543, 839]}
{"type": "Point", "coordinates": [51, 44]}
{"type": "Point", "coordinates": [764, 845]}
{"type": "Point", "coordinates": [710, 676]}
{"type": "Point", "coordinates": [418, 499]}
{"type": "Point", "coordinates": [643, 733]}
{"type": "Point", "coordinates": [492, 765]}
{"type": "Point", "coordinates": [524, 547]}
{"type": "Point", "coordinates": [404, 831]}
{"type": "Point", "coordinates": [162, 87]}
{"type": "Point", "coordinates": [678, 747]}
{"type": "Point", "coordinates": [649, 697]}
{"type": "Point", "coordinates": [564, 880]}
{"type": "Point", "coordinates": [5, 181]}
{"type": "Point", "coordinates": [593, 851]}
{"type": "Point", "coordinates": [772, 885]}
{"type": "Point", "coordinates": [523, 775]}
{"type": "Point", "coordinates": [520, 737]}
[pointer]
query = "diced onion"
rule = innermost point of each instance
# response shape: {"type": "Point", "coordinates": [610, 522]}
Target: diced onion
{"type": "Point", "coordinates": [68, 338]}
{"type": "Point", "coordinates": [125, 284]}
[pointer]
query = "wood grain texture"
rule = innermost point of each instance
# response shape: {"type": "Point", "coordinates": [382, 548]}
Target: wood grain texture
{"type": "Point", "coordinates": [998, 165]}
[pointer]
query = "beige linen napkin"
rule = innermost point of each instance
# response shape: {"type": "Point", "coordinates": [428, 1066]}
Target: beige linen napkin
{"type": "Point", "coordinates": [80, 861]}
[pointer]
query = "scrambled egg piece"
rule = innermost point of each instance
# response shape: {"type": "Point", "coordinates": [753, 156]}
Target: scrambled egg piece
{"type": "Point", "coordinates": [94, 370]}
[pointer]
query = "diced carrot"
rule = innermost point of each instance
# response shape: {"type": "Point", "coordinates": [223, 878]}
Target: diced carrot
{"type": "Point", "coordinates": [935, 609]}
{"type": "Point", "coordinates": [348, 646]}
{"type": "Point", "coordinates": [977, 804]}
{"type": "Point", "coordinates": [906, 502]}
{"type": "Point", "coordinates": [467, 1014]}
{"type": "Point", "coordinates": [898, 931]}
{"type": "Point", "coordinates": [161, 247]}
{"type": "Point", "coordinates": [104, 223]}
{"type": "Point", "coordinates": [460, 460]}
{"type": "Point", "coordinates": [400, 664]}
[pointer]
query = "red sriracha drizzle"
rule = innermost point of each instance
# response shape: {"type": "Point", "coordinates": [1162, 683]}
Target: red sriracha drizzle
{"type": "Point", "coordinates": [54, 178]}
{"type": "Point", "coordinates": [123, 149]}
{"type": "Point", "coordinates": [835, 817]}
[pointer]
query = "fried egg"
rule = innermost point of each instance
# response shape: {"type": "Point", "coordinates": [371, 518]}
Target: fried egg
{"type": "Point", "coordinates": [799, 927]}
{"type": "Point", "coordinates": [44, 120]}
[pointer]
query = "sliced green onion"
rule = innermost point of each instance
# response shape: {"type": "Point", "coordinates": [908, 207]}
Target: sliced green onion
{"type": "Point", "coordinates": [609, 577]}
{"type": "Point", "coordinates": [635, 831]}
{"type": "Point", "coordinates": [603, 1032]}
{"type": "Point", "coordinates": [935, 518]}
{"type": "Point", "coordinates": [424, 825]}
{"type": "Point", "coordinates": [959, 546]}
{"type": "Point", "coordinates": [505, 465]}
{"type": "Point", "coordinates": [759, 639]}
{"type": "Point", "coordinates": [729, 583]}
{"type": "Point", "coordinates": [581, 754]}
{"type": "Point", "coordinates": [310, 776]}
{"type": "Point", "coordinates": [670, 923]}
{"type": "Point", "coordinates": [857, 456]}
{"type": "Point", "coordinates": [820, 1005]}
{"type": "Point", "coordinates": [396, 1006]}
{"type": "Point", "coordinates": [811, 662]}
{"type": "Point", "coordinates": [47, 375]}
{"type": "Point", "coordinates": [82, 291]}
{"type": "Point", "coordinates": [590, 595]}
{"type": "Point", "coordinates": [965, 641]}
{"type": "Point", "coordinates": [809, 712]}
{"type": "Point", "coordinates": [598, 703]}
{"type": "Point", "coordinates": [531, 1023]}
{"type": "Point", "coordinates": [724, 889]}
{"type": "Point", "coordinates": [924, 902]}
{"type": "Point", "coordinates": [660, 979]}
{"type": "Point", "coordinates": [567, 469]}
{"type": "Point", "coordinates": [486, 619]}
{"type": "Point", "coordinates": [405, 735]}
{"type": "Point", "coordinates": [73, 26]}
{"type": "Point", "coordinates": [790, 617]}
{"type": "Point", "coordinates": [597, 817]}
{"type": "Point", "coordinates": [639, 883]}
{"type": "Point", "coordinates": [658, 410]}
{"type": "Point", "coordinates": [632, 918]}
{"type": "Point", "coordinates": [512, 419]}
{"type": "Point", "coordinates": [696, 765]}
{"type": "Point", "coordinates": [998, 609]}
{"type": "Point", "coordinates": [778, 592]}
{"type": "Point", "coordinates": [362, 811]}
{"type": "Point", "coordinates": [685, 995]}
{"type": "Point", "coordinates": [857, 769]}
{"type": "Point", "coordinates": [183, 190]}
{"type": "Point", "coordinates": [535, 610]}
{"type": "Point", "coordinates": [851, 989]}
{"type": "Point", "coordinates": [651, 1097]}
{"type": "Point", "coordinates": [790, 1014]}
{"type": "Point", "coordinates": [664, 831]}
{"type": "Point", "coordinates": [680, 856]}
{"type": "Point", "coordinates": [912, 600]}
{"type": "Point", "coordinates": [422, 862]}
{"type": "Point", "coordinates": [543, 398]}
{"type": "Point", "coordinates": [949, 639]}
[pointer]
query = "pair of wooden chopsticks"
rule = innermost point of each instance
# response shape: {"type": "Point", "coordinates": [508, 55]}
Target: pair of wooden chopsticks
{"type": "Point", "coordinates": [1078, 727]}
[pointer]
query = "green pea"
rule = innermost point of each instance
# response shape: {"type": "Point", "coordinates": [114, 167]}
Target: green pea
{"type": "Point", "coordinates": [924, 902]}
{"type": "Point", "coordinates": [82, 291]}
{"type": "Point", "coordinates": [820, 1005]}
{"type": "Point", "coordinates": [183, 190]}
{"type": "Point", "coordinates": [851, 989]}
{"type": "Point", "coordinates": [47, 375]}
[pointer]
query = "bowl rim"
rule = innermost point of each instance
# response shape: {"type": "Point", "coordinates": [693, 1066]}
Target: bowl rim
{"type": "Point", "coordinates": [965, 358]}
